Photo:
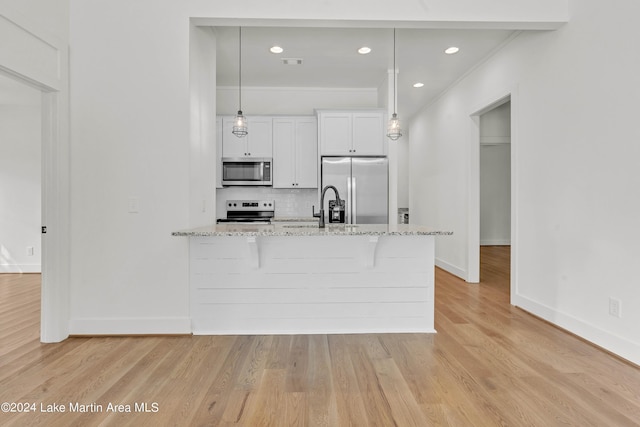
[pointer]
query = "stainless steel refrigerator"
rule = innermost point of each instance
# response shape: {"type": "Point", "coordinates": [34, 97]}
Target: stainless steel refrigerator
{"type": "Point", "coordinates": [363, 182]}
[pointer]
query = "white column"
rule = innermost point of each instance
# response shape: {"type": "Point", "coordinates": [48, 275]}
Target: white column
{"type": "Point", "coordinates": [392, 151]}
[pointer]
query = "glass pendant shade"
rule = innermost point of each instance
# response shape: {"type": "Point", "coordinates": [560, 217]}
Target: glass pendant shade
{"type": "Point", "coordinates": [240, 121]}
{"type": "Point", "coordinates": [394, 132]}
{"type": "Point", "coordinates": [239, 125]}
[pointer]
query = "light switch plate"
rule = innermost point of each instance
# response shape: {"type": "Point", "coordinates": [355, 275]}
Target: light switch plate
{"type": "Point", "coordinates": [615, 308]}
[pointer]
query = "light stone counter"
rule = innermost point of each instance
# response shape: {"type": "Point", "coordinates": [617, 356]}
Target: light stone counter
{"type": "Point", "coordinates": [294, 219]}
{"type": "Point", "coordinates": [285, 229]}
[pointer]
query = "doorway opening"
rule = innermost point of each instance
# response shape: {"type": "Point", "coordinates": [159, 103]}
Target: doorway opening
{"type": "Point", "coordinates": [20, 177]}
{"type": "Point", "coordinates": [495, 194]}
{"type": "Point", "coordinates": [20, 205]}
{"type": "Point", "coordinates": [492, 191]}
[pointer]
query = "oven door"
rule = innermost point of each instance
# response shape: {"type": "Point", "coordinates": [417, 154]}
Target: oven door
{"type": "Point", "coordinates": [246, 172]}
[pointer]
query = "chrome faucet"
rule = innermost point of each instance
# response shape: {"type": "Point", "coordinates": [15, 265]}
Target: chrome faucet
{"type": "Point", "coordinates": [321, 213]}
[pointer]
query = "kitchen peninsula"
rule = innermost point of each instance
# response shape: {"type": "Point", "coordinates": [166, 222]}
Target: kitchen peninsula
{"type": "Point", "coordinates": [296, 279]}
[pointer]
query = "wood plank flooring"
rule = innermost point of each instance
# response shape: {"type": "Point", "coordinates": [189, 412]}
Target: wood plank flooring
{"type": "Point", "coordinates": [489, 364]}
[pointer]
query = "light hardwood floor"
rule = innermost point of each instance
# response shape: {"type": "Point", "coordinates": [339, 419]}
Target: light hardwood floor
{"type": "Point", "coordinates": [489, 364]}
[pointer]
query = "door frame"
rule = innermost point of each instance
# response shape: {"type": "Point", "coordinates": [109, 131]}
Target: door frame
{"type": "Point", "coordinates": [473, 214]}
{"type": "Point", "coordinates": [41, 60]}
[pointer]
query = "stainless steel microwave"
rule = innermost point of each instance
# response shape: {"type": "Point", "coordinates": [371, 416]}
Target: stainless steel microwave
{"type": "Point", "coordinates": [247, 171]}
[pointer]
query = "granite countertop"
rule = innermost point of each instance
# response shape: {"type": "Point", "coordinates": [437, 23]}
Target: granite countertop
{"type": "Point", "coordinates": [293, 219]}
{"type": "Point", "coordinates": [311, 230]}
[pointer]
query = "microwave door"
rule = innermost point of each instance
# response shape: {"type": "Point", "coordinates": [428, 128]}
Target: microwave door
{"type": "Point", "coordinates": [250, 172]}
{"type": "Point", "coordinates": [233, 172]}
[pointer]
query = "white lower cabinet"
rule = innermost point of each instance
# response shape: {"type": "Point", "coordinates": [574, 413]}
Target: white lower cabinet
{"type": "Point", "coordinates": [295, 152]}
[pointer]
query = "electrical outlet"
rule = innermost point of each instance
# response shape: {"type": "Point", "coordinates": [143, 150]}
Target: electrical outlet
{"type": "Point", "coordinates": [29, 250]}
{"type": "Point", "coordinates": [615, 307]}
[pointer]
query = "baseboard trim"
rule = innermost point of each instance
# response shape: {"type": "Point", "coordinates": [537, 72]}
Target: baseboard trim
{"type": "Point", "coordinates": [496, 242]}
{"type": "Point", "coordinates": [20, 268]}
{"type": "Point", "coordinates": [619, 346]}
{"type": "Point", "coordinates": [310, 331]}
{"type": "Point", "coordinates": [456, 271]}
{"type": "Point", "coordinates": [130, 326]}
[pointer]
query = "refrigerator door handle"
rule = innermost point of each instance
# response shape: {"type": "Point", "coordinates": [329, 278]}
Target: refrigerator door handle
{"type": "Point", "coordinates": [348, 202]}
{"type": "Point", "coordinates": [354, 196]}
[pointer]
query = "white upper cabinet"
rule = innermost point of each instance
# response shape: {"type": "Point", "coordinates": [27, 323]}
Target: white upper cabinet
{"type": "Point", "coordinates": [351, 133]}
{"type": "Point", "coordinates": [257, 143]}
{"type": "Point", "coordinates": [307, 152]}
{"type": "Point", "coordinates": [368, 134]}
{"type": "Point", "coordinates": [284, 155]}
{"type": "Point", "coordinates": [295, 152]}
{"type": "Point", "coordinates": [335, 133]}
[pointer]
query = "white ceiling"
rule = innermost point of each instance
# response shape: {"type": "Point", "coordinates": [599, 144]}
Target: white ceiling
{"type": "Point", "coordinates": [330, 58]}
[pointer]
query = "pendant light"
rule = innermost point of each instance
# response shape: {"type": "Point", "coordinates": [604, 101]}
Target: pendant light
{"type": "Point", "coordinates": [240, 121]}
{"type": "Point", "coordinates": [393, 128]}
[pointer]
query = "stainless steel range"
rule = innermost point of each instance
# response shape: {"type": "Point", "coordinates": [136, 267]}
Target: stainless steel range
{"type": "Point", "coordinates": [249, 211]}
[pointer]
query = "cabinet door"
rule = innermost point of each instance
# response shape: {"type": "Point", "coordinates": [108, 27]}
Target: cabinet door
{"type": "Point", "coordinates": [260, 138]}
{"type": "Point", "coordinates": [306, 153]}
{"type": "Point", "coordinates": [335, 134]}
{"type": "Point", "coordinates": [368, 134]}
{"type": "Point", "coordinates": [284, 145]}
{"type": "Point", "coordinates": [232, 146]}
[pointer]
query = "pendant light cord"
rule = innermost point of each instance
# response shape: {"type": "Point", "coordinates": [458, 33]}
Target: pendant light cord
{"type": "Point", "coordinates": [240, 68]}
{"type": "Point", "coordinates": [394, 71]}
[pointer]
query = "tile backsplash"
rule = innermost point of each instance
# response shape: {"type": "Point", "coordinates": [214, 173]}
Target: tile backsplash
{"type": "Point", "coordinates": [289, 202]}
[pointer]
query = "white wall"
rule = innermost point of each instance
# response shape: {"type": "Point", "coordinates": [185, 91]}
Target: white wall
{"type": "Point", "coordinates": [132, 138]}
{"type": "Point", "coordinates": [50, 16]}
{"type": "Point", "coordinates": [574, 97]}
{"type": "Point", "coordinates": [495, 194]}
{"type": "Point", "coordinates": [203, 161]}
{"type": "Point", "coordinates": [495, 176]}
{"type": "Point", "coordinates": [20, 165]}
{"type": "Point", "coordinates": [292, 101]}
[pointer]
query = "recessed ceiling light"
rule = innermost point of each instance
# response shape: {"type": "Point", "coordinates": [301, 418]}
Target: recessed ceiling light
{"type": "Point", "coordinates": [364, 50]}
{"type": "Point", "coordinates": [276, 49]}
{"type": "Point", "coordinates": [451, 50]}
{"type": "Point", "coordinates": [418, 84]}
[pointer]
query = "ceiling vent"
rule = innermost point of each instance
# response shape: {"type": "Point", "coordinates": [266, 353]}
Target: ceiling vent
{"type": "Point", "coordinates": [292, 61]}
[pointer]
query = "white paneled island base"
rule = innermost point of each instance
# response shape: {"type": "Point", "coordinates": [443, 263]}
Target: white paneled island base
{"type": "Point", "coordinates": [266, 279]}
